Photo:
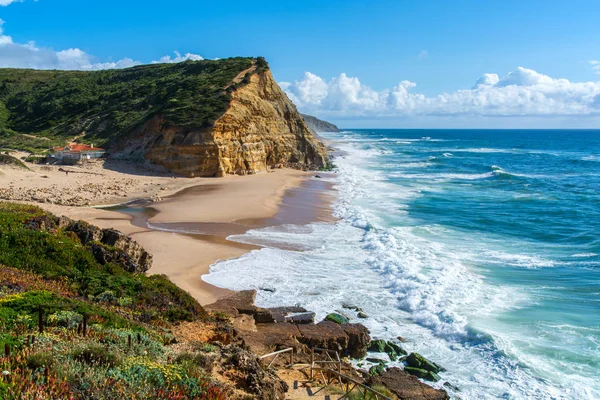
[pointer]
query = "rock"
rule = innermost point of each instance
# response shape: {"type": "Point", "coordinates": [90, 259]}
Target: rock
{"type": "Point", "coordinates": [318, 176]}
{"type": "Point", "coordinates": [44, 223]}
{"type": "Point", "coordinates": [377, 346]}
{"type": "Point", "coordinates": [271, 290]}
{"type": "Point", "coordinates": [377, 369]}
{"type": "Point", "coordinates": [415, 360]}
{"type": "Point", "coordinates": [326, 335]}
{"type": "Point", "coordinates": [422, 373]}
{"type": "Point", "coordinates": [261, 129]}
{"type": "Point", "coordinates": [139, 259]}
{"type": "Point", "coordinates": [397, 348]}
{"type": "Point", "coordinates": [239, 303]}
{"type": "Point", "coordinates": [317, 125]}
{"type": "Point", "coordinates": [362, 315]}
{"type": "Point", "coordinates": [358, 340]}
{"type": "Point", "coordinates": [301, 318]}
{"type": "Point", "coordinates": [375, 360]}
{"type": "Point", "coordinates": [406, 386]}
{"type": "Point", "coordinates": [337, 318]}
{"type": "Point", "coordinates": [401, 339]}
{"type": "Point", "coordinates": [280, 314]}
{"type": "Point", "coordinates": [255, 380]}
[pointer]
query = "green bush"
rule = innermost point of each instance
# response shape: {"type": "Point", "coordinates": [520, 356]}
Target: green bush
{"type": "Point", "coordinates": [96, 355]}
{"type": "Point", "coordinates": [40, 360]}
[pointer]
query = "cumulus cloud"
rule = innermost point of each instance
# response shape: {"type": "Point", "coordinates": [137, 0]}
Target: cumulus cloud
{"type": "Point", "coordinates": [522, 92]}
{"type": "Point", "coordinates": [423, 54]}
{"type": "Point", "coordinates": [8, 2]}
{"type": "Point", "coordinates": [595, 65]}
{"type": "Point", "coordinates": [28, 55]}
{"type": "Point", "coordinates": [178, 58]}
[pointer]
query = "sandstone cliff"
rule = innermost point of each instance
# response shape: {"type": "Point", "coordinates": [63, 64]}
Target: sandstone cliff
{"type": "Point", "coordinates": [260, 129]}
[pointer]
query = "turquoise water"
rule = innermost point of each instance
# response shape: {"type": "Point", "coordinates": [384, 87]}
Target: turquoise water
{"type": "Point", "coordinates": [481, 247]}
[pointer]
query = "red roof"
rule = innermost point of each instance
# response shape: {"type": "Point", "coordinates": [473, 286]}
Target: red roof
{"type": "Point", "coordinates": [77, 148]}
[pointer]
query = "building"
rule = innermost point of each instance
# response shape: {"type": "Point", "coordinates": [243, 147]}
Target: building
{"type": "Point", "coordinates": [74, 152]}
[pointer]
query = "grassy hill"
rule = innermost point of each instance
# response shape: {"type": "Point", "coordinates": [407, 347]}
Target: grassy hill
{"type": "Point", "coordinates": [55, 106]}
{"type": "Point", "coordinates": [124, 353]}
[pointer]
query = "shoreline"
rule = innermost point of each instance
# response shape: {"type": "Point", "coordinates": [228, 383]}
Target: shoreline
{"type": "Point", "coordinates": [188, 225]}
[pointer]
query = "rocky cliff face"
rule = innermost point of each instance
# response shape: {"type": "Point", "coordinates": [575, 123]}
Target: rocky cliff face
{"type": "Point", "coordinates": [318, 125]}
{"type": "Point", "coordinates": [261, 129]}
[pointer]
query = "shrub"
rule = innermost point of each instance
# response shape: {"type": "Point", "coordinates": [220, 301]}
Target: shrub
{"type": "Point", "coordinates": [40, 360]}
{"type": "Point", "coordinates": [95, 354]}
{"type": "Point", "coordinates": [66, 319]}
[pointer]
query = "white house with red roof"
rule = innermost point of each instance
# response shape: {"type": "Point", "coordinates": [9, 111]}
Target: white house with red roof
{"type": "Point", "coordinates": [74, 152]}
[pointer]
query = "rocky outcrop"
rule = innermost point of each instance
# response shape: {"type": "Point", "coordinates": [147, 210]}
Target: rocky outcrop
{"type": "Point", "coordinates": [252, 376]}
{"type": "Point", "coordinates": [106, 245]}
{"type": "Point", "coordinates": [317, 125]}
{"type": "Point", "coordinates": [260, 129]}
{"type": "Point", "coordinates": [270, 329]}
{"type": "Point", "coordinates": [406, 386]}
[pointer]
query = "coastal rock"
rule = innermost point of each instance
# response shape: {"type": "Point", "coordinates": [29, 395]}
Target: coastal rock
{"type": "Point", "coordinates": [422, 373]}
{"type": "Point", "coordinates": [415, 360]}
{"type": "Point", "coordinates": [337, 318]}
{"type": "Point", "coordinates": [260, 129]}
{"type": "Point", "coordinates": [317, 125]}
{"type": "Point", "coordinates": [106, 245]}
{"type": "Point", "coordinates": [254, 379]}
{"type": "Point", "coordinates": [347, 339]}
{"type": "Point", "coordinates": [406, 386]}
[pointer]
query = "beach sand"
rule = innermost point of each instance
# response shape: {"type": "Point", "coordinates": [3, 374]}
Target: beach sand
{"type": "Point", "coordinates": [213, 208]}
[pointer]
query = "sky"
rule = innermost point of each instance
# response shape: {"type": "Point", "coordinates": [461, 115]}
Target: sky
{"type": "Point", "coordinates": [361, 64]}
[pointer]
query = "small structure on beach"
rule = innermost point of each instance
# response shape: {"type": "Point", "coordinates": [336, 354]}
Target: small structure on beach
{"type": "Point", "coordinates": [75, 152]}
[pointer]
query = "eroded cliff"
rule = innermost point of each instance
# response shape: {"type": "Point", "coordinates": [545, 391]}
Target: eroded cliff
{"type": "Point", "coordinates": [260, 129]}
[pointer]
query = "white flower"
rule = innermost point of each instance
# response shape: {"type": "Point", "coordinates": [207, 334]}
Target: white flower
{"type": "Point", "coordinates": [5, 373]}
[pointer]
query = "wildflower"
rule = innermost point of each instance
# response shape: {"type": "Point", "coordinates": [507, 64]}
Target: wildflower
{"type": "Point", "coordinates": [5, 373]}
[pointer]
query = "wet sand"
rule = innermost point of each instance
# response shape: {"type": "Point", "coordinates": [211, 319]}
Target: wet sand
{"type": "Point", "coordinates": [186, 232]}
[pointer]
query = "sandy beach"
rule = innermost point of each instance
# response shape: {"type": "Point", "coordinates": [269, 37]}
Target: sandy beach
{"type": "Point", "coordinates": [212, 208]}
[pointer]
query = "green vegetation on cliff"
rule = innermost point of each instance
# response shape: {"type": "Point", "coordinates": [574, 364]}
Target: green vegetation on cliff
{"type": "Point", "coordinates": [55, 106]}
{"type": "Point", "coordinates": [124, 353]}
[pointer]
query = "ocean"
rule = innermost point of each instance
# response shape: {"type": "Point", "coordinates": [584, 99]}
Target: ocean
{"type": "Point", "coordinates": [480, 247]}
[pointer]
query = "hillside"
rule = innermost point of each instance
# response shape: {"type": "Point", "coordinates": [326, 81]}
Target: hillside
{"type": "Point", "coordinates": [196, 118]}
{"type": "Point", "coordinates": [318, 125]}
{"type": "Point", "coordinates": [107, 330]}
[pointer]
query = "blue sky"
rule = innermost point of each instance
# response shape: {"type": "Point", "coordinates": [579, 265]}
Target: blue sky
{"type": "Point", "coordinates": [442, 46]}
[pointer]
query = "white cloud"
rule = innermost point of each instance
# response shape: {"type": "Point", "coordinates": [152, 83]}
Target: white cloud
{"type": "Point", "coordinates": [595, 65]}
{"type": "Point", "coordinates": [28, 55]}
{"type": "Point", "coordinates": [522, 92]}
{"type": "Point", "coordinates": [8, 2]}
{"type": "Point", "coordinates": [423, 54]}
{"type": "Point", "coordinates": [178, 58]}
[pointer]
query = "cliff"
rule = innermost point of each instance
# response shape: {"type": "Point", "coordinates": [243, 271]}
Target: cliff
{"type": "Point", "coordinates": [196, 118]}
{"type": "Point", "coordinates": [318, 125]}
{"type": "Point", "coordinates": [260, 129]}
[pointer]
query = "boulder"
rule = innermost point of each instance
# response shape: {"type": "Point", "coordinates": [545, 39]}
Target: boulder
{"type": "Point", "coordinates": [415, 360]}
{"type": "Point", "coordinates": [422, 373]}
{"type": "Point", "coordinates": [326, 335]}
{"type": "Point", "coordinates": [239, 303]}
{"type": "Point", "coordinates": [397, 348]}
{"type": "Point", "coordinates": [358, 340]}
{"type": "Point", "coordinates": [362, 315]}
{"type": "Point", "coordinates": [377, 369]}
{"type": "Point", "coordinates": [301, 318]}
{"type": "Point", "coordinates": [406, 386]}
{"type": "Point", "coordinates": [377, 346]}
{"type": "Point", "coordinates": [337, 318]}
{"type": "Point", "coordinates": [281, 314]}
